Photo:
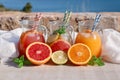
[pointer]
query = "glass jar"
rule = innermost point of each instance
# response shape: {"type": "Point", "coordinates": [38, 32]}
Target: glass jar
{"type": "Point", "coordinates": [67, 30]}
{"type": "Point", "coordinates": [33, 31]}
{"type": "Point", "coordinates": [91, 38]}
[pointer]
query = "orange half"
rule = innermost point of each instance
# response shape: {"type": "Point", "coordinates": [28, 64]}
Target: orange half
{"type": "Point", "coordinates": [79, 54]}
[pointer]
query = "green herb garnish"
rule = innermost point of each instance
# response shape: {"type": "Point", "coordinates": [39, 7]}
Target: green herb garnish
{"type": "Point", "coordinates": [21, 61]}
{"type": "Point", "coordinates": [96, 61]}
{"type": "Point", "coordinates": [66, 19]}
{"type": "Point", "coordinates": [61, 30]}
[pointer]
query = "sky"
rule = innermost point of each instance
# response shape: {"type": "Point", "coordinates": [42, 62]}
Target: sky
{"type": "Point", "coordinates": [62, 5]}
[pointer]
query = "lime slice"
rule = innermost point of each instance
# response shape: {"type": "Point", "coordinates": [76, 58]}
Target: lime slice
{"type": "Point", "coordinates": [59, 57]}
{"type": "Point", "coordinates": [53, 38]}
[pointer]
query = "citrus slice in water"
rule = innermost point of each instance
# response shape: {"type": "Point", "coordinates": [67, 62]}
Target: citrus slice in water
{"type": "Point", "coordinates": [38, 53]}
{"type": "Point", "coordinates": [59, 57]}
{"type": "Point", "coordinates": [53, 38]}
{"type": "Point", "coordinates": [79, 54]}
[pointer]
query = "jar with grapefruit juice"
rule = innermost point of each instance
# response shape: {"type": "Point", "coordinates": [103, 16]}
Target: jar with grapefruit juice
{"type": "Point", "coordinates": [91, 38]}
{"type": "Point", "coordinates": [32, 32]}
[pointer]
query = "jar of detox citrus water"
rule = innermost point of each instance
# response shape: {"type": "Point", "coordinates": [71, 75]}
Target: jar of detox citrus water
{"type": "Point", "coordinates": [61, 29]}
{"type": "Point", "coordinates": [61, 34]}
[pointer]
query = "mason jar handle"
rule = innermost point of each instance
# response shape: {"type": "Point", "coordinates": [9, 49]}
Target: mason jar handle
{"type": "Point", "coordinates": [72, 34]}
{"type": "Point", "coordinates": [100, 31]}
{"type": "Point", "coordinates": [24, 23]}
{"type": "Point", "coordinates": [45, 32]}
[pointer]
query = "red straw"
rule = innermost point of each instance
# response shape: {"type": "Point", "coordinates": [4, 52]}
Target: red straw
{"type": "Point", "coordinates": [37, 18]}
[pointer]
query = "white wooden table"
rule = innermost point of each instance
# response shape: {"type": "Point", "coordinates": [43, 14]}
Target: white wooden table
{"type": "Point", "coordinates": [63, 72]}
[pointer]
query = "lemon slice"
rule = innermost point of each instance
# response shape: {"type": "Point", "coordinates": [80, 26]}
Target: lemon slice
{"type": "Point", "coordinates": [53, 38]}
{"type": "Point", "coordinates": [59, 57]}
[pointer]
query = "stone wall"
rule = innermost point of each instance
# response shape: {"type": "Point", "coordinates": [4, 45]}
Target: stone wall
{"type": "Point", "coordinates": [11, 20]}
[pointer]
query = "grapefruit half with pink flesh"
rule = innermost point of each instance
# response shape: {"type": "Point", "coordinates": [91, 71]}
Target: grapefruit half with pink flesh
{"type": "Point", "coordinates": [60, 44]}
{"type": "Point", "coordinates": [38, 53]}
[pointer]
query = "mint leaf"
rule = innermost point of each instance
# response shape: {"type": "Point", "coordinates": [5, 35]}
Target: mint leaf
{"type": "Point", "coordinates": [96, 61]}
{"type": "Point", "coordinates": [99, 61]}
{"type": "Point", "coordinates": [16, 60]}
{"type": "Point", "coordinates": [91, 62]}
{"type": "Point", "coordinates": [27, 62]}
{"type": "Point", "coordinates": [60, 30]}
{"type": "Point", "coordinates": [20, 65]}
{"type": "Point", "coordinates": [22, 58]}
{"type": "Point", "coordinates": [21, 61]}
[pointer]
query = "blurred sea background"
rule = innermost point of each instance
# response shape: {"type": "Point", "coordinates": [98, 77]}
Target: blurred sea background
{"type": "Point", "coordinates": [63, 5]}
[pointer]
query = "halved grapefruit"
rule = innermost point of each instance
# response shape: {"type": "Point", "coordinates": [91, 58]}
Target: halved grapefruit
{"type": "Point", "coordinates": [38, 53]}
{"type": "Point", "coordinates": [60, 44]}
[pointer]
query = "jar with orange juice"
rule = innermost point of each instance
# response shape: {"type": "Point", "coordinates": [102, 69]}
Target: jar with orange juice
{"type": "Point", "coordinates": [33, 31]}
{"type": "Point", "coordinates": [90, 36]}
